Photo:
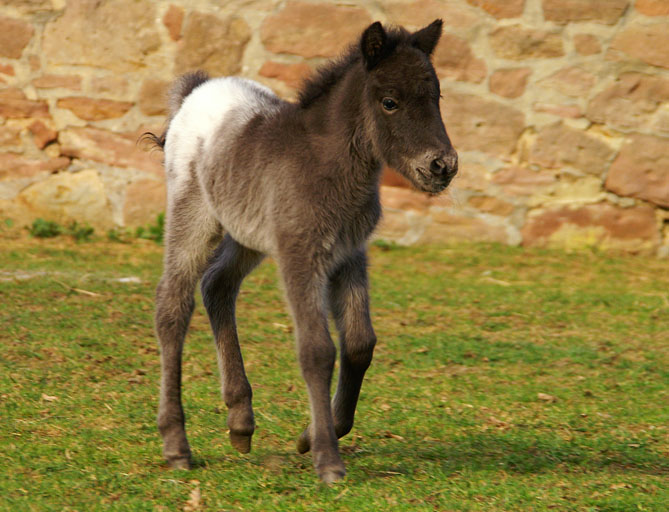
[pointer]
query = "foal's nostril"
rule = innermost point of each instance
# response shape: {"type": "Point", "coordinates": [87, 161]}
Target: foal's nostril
{"type": "Point", "coordinates": [438, 166]}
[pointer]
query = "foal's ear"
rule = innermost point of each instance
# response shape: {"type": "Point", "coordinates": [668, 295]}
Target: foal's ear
{"type": "Point", "coordinates": [373, 44]}
{"type": "Point", "coordinates": [427, 38]}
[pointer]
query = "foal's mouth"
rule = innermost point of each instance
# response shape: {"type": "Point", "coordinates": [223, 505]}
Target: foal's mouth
{"type": "Point", "coordinates": [429, 183]}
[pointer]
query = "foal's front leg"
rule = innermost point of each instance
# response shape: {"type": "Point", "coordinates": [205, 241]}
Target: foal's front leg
{"type": "Point", "coordinates": [306, 290]}
{"type": "Point", "coordinates": [349, 303]}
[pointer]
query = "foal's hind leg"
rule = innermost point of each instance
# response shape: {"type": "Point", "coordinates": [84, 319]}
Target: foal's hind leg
{"type": "Point", "coordinates": [220, 284]}
{"type": "Point", "coordinates": [349, 303]}
{"type": "Point", "coordinates": [188, 243]}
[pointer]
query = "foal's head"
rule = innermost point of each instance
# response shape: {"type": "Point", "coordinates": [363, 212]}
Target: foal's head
{"type": "Point", "coordinates": [402, 105]}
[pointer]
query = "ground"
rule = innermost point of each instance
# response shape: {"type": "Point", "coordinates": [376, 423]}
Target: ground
{"type": "Point", "coordinates": [504, 379]}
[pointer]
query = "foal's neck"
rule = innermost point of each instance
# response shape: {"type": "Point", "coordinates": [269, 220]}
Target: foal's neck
{"type": "Point", "coordinates": [338, 119]}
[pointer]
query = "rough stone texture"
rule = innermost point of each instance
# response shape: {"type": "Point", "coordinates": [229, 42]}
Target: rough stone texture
{"type": "Point", "coordinates": [92, 109]}
{"type": "Point", "coordinates": [566, 111]}
{"type": "Point", "coordinates": [454, 59]}
{"type": "Point", "coordinates": [14, 37]}
{"type": "Point", "coordinates": [474, 123]}
{"type": "Point", "coordinates": [604, 11]}
{"type": "Point", "coordinates": [630, 101]}
{"type": "Point", "coordinates": [313, 30]}
{"type": "Point", "coordinates": [213, 44]}
{"type": "Point", "coordinates": [173, 19]}
{"type": "Point", "coordinates": [647, 43]}
{"type": "Point", "coordinates": [641, 170]}
{"type": "Point", "coordinates": [54, 81]}
{"type": "Point", "coordinates": [144, 199]}
{"type": "Point", "coordinates": [500, 8]}
{"type": "Point", "coordinates": [491, 205]}
{"type": "Point", "coordinates": [153, 97]}
{"type": "Point", "coordinates": [291, 74]}
{"type": "Point", "coordinates": [559, 146]}
{"type": "Point", "coordinates": [516, 42]}
{"type": "Point", "coordinates": [107, 147]}
{"type": "Point", "coordinates": [652, 7]}
{"type": "Point", "coordinates": [604, 225]}
{"type": "Point", "coordinates": [82, 35]}
{"type": "Point", "coordinates": [14, 166]}
{"type": "Point", "coordinates": [587, 44]}
{"type": "Point", "coordinates": [15, 104]}
{"type": "Point", "coordinates": [559, 104]}
{"type": "Point", "coordinates": [10, 135]}
{"type": "Point", "coordinates": [509, 83]}
{"type": "Point", "coordinates": [572, 81]}
{"type": "Point", "coordinates": [67, 197]}
{"type": "Point", "coordinates": [42, 134]}
{"type": "Point", "coordinates": [419, 13]}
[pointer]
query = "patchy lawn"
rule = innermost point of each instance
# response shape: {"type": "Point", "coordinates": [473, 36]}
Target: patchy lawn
{"type": "Point", "coordinates": [504, 379]}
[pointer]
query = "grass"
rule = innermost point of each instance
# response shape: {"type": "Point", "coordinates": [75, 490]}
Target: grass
{"type": "Point", "coordinates": [504, 379]}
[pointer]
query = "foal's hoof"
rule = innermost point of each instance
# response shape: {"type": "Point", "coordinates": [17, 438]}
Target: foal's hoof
{"type": "Point", "coordinates": [303, 442]}
{"type": "Point", "coordinates": [331, 474]}
{"type": "Point", "coordinates": [240, 442]}
{"type": "Point", "coordinates": [179, 462]}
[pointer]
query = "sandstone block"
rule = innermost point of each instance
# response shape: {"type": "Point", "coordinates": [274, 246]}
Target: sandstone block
{"type": "Point", "coordinates": [404, 199]}
{"type": "Point", "coordinates": [630, 101]}
{"type": "Point", "coordinates": [450, 225]}
{"type": "Point", "coordinates": [572, 81]}
{"type": "Point", "coordinates": [93, 109]}
{"type": "Point", "coordinates": [509, 83]}
{"type": "Point", "coordinates": [66, 197]}
{"type": "Point", "coordinates": [213, 44]}
{"type": "Point", "coordinates": [420, 13]}
{"type": "Point", "coordinates": [566, 111]}
{"type": "Point", "coordinates": [34, 6]}
{"type": "Point", "coordinates": [120, 150]}
{"type": "Point", "coordinates": [173, 19]}
{"type": "Point", "coordinates": [153, 97]}
{"type": "Point", "coordinates": [291, 74]}
{"type": "Point", "coordinates": [10, 135]}
{"type": "Point", "coordinates": [647, 43]}
{"type": "Point", "coordinates": [558, 146]}
{"type": "Point", "coordinates": [14, 37]}
{"type": "Point", "coordinates": [55, 81]}
{"type": "Point", "coordinates": [587, 44]}
{"type": "Point", "coordinates": [454, 59]}
{"type": "Point", "coordinates": [516, 43]}
{"type": "Point", "coordinates": [7, 69]}
{"type": "Point", "coordinates": [603, 11]}
{"type": "Point", "coordinates": [109, 85]}
{"type": "Point", "coordinates": [110, 34]}
{"type": "Point", "coordinates": [474, 123]}
{"type": "Point", "coordinates": [641, 170]}
{"type": "Point", "coordinates": [15, 104]}
{"type": "Point", "coordinates": [491, 205]}
{"type": "Point", "coordinates": [603, 225]}
{"type": "Point", "coordinates": [42, 134]}
{"type": "Point", "coordinates": [471, 176]}
{"type": "Point", "coordinates": [13, 165]}
{"type": "Point", "coordinates": [500, 8]}
{"type": "Point", "coordinates": [313, 30]}
{"type": "Point", "coordinates": [144, 199]}
{"type": "Point", "coordinates": [652, 7]}
{"type": "Point", "coordinates": [521, 181]}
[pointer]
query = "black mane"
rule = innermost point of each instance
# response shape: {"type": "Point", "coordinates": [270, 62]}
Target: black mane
{"type": "Point", "coordinates": [324, 78]}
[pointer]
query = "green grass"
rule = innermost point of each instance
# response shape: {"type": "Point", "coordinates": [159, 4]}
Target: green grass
{"type": "Point", "coordinates": [504, 380]}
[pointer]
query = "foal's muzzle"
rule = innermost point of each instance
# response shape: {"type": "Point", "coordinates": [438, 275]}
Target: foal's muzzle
{"type": "Point", "coordinates": [445, 166]}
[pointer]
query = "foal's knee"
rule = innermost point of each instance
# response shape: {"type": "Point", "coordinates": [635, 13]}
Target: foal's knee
{"type": "Point", "coordinates": [174, 306]}
{"type": "Point", "coordinates": [317, 357]}
{"type": "Point", "coordinates": [359, 353]}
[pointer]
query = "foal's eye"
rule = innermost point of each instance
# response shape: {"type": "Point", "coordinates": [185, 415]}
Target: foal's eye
{"type": "Point", "coordinates": [389, 104]}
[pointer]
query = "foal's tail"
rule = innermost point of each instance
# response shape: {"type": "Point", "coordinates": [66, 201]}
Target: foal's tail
{"type": "Point", "coordinates": [181, 88]}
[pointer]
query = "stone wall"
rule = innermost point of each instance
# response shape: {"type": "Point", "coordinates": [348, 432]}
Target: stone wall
{"type": "Point", "coordinates": [559, 108]}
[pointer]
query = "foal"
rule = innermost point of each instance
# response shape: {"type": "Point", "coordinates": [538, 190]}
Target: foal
{"type": "Point", "coordinates": [249, 174]}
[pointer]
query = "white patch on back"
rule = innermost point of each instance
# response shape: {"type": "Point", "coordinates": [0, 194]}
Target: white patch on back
{"type": "Point", "coordinates": [200, 115]}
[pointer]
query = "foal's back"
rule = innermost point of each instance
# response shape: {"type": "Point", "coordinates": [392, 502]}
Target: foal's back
{"type": "Point", "coordinates": [204, 160]}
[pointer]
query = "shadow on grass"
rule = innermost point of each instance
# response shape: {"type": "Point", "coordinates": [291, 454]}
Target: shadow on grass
{"type": "Point", "coordinates": [513, 453]}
